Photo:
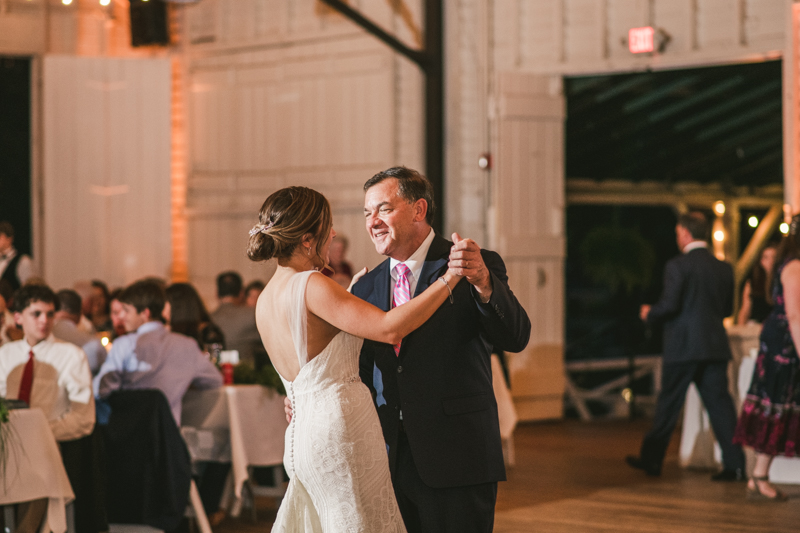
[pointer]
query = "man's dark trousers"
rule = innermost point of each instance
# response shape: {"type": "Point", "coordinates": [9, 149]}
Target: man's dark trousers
{"type": "Point", "coordinates": [711, 379]}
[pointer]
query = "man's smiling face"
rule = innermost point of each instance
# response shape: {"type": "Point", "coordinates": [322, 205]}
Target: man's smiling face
{"type": "Point", "coordinates": [390, 220]}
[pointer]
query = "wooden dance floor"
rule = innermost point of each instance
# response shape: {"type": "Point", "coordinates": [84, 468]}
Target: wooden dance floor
{"type": "Point", "coordinates": [570, 476]}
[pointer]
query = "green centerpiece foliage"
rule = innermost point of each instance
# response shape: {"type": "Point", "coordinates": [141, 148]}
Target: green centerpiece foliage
{"type": "Point", "coordinates": [5, 435]}
{"type": "Point", "coordinates": [617, 258]}
{"type": "Point", "coordinates": [267, 376]}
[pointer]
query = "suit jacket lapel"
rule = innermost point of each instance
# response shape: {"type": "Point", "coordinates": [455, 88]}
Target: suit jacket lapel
{"type": "Point", "coordinates": [383, 299]}
{"type": "Point", "coordinates": [438, 255]}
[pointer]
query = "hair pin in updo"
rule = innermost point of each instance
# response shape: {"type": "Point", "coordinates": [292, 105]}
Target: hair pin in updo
{"type": "Point", "coordinates": [261, 228]}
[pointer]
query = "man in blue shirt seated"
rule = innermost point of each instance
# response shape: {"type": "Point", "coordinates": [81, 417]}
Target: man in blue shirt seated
{"type": "Point", "coordinates": [151, 357]}
{"type": "Point", "coordinates": [65, 328]}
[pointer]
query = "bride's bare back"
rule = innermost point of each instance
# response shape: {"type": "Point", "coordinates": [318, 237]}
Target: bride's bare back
{"type": "Point", "coordinates": [273, 325]}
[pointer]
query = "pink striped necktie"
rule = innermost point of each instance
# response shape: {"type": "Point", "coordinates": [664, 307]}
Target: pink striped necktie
{"type": "Point", "coordinates": [402, 292]}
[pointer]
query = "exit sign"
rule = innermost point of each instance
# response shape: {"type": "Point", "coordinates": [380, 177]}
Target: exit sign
{"type": "Point", "coordinates": [640, 40]}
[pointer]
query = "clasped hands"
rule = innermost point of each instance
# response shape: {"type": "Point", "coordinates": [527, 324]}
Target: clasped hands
{"type": "Point", "coordinates": [466, 260]}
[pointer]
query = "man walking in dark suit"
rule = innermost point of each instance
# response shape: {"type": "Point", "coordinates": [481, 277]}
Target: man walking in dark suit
{"type": "Point", "coordinates": [433, 391]}
{"type": "Point", "coordinates": [698, 295]}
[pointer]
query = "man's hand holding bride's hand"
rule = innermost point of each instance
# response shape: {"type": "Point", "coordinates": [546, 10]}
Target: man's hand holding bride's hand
{"type": "Point", "coordinates": [466, 260]}
{"type": "Point", "coordinates": [287, 408]}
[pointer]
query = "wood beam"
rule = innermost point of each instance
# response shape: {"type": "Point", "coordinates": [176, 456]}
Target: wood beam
{"type": "Point", "coordinates": [791, 109]}
{"type": "Point", "coordinates": [415, 56]}
{"type": "Point", "coordinates": [624, 192]}
{"type": "Point", "coordinates": [431, 62]}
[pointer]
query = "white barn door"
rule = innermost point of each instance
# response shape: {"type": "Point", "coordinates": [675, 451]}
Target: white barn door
{"type": "Point", "coordinates": [529, 230]}
{"type": "Point", "coordinates": [106, 171]}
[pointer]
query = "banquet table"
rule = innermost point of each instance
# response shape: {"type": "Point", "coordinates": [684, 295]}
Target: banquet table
{"type": "Point", "coordinates": [34, 470]}
{"type": "Point", "coordinates": [243, 424]}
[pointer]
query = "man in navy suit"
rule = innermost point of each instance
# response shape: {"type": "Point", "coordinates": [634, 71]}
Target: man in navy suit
{"type": "Point", "coordinates": [434, 397]}
{"type": "Point", "coordinates": [698, 295]}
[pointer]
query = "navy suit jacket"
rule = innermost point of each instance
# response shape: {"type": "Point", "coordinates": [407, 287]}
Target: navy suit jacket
{"type": "Point", "coordinates": [698, 294]}
{"type": "Point", "coordinates": [442, 378]}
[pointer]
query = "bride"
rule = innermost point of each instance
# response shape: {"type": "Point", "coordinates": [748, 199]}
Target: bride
{"type": "Point", "coordinates": [313, 330]}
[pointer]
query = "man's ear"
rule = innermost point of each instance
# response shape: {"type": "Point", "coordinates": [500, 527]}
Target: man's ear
{"type": "Point", "coordinates": [18, 318]}
{"type": "Point", "coordinates": [420, 210]}
{"type": "Point", "coordinates": [146, 314]}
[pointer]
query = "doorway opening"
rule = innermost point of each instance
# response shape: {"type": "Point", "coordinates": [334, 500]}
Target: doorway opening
{"type": "Point", "coordinates": [15, 148]}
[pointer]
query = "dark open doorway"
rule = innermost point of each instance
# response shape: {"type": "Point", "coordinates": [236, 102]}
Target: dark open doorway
{"type": "Point", "coordinates": [639, 148]}
{"type": "Point", "coordinates": [15, 148]}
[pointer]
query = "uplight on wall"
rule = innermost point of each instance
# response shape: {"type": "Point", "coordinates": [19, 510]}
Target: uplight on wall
{"type": "Point", "coordinates": [105, 2]}
{"type": "Point", "coordinates": [66, 2]}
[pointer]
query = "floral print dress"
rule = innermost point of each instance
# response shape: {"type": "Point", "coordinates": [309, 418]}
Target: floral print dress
{"type": "Point", "coordinates": [770, 418]}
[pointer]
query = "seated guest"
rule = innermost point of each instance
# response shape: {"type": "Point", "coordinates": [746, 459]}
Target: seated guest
{"type": "Point", "coordinates": [116, 312]}
{"type": "Point", "coordinates": [46, 373]}
{"type": "Point", "coordinates": [99, 310]}
{"type": "Point", "coordinates": [185, 313]}
{"type": "Point", "coordinates": [84, 289]}
{"type": "Point", "coordinates": [236, 320]}
{"type": "Point", "coordinates": [252, 292]}
{"type": "Point", "coordinates": [338, 267]}
{"type": "Point", "coordinates": [8, 329]}
{"type": "Point", "coordinates": [15, 268]}
{"type": "Point", "coordinates": [152, 357]}
{"type": "Point", "coordinates": [66, 329]}
{"type": "Point", "coordinates": [756, 305]}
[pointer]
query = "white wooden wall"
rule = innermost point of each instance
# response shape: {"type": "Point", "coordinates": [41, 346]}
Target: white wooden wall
{"type": "Point", "coordinates": [106, 177]}
{"type": "Point", "coordinates": [529, 222]}
{"type": "Point", "coordinates": [286, 93]}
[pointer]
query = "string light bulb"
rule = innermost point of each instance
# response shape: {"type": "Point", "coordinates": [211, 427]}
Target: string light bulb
{"type": "Point", "coordinates": [753, 221]}
{"type": "Point", "coordinates": [719, 235]}
{"type": "Point", "coordinates": [105, 2]}
{"type": "Point", "coordinates": [784, 228]}
{"type": "Point", "coordinates": [719, 208]}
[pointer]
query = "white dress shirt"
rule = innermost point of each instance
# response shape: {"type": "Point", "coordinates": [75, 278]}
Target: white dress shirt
{"type": "Point", "coordinates": [25, 269]}
{"type": "Point", "coordinates": [62, 384]}
{"type": "Point", "coordinates": [694, 245]}
{"type": "Point", "coordinates": [414, 264]}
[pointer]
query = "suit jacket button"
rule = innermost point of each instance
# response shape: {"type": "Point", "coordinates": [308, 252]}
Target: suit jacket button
{"type": "Point", "coordinates": [399, 369]}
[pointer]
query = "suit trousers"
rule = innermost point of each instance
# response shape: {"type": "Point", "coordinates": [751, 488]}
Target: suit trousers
{"type": "Point", "coordinates": [427, 509]}
{"type": "Point", "coordinates": [711, 379]}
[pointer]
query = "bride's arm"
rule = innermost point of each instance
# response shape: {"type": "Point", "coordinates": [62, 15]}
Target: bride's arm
{"type": "Point", "coordinates": [329, 301]}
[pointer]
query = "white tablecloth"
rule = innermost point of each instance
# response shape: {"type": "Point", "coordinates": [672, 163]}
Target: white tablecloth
{"type": "Point", "coordinates": [505, 405]}
{"type": "Point", "coordinates": [34, 469]}
{"type": "Point", "coordinates": [243, 424]}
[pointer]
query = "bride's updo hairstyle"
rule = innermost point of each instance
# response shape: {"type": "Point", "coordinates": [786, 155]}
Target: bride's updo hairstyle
{"type": "Point", "coordinates": [286, 217]}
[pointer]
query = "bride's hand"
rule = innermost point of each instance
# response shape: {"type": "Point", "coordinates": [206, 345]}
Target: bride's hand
{"type": "Point", "coordinates": [357, 277]}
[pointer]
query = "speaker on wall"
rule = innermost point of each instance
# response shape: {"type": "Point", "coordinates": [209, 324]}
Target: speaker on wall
{"type": "Point", "coordinates": [149, 22]}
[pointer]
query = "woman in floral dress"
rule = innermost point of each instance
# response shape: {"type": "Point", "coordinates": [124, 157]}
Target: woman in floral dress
{"type": "Point", "coordinates": [770, 418]}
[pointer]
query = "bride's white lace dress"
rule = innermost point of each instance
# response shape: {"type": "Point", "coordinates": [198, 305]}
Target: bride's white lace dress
{"type": "Point", "coordinates": [335, 453]}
